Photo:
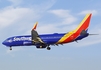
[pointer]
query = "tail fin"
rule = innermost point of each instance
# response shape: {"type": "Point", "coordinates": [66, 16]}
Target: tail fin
{"type": "Point", "coordinates": [81, 29]}
{"type": "Point", "coordinates": [84, 24]}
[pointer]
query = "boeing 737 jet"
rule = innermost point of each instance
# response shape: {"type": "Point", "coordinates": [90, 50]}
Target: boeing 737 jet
{"type": "Point", "coordinates": [46, 40]}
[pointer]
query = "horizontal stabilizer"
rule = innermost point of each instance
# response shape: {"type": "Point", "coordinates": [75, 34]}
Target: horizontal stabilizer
{"type": "Point", "coordinates": [93, 34]}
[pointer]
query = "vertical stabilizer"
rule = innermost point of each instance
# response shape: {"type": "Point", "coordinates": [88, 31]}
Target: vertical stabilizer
{"type": "Point", "coordinates": [84, 24]}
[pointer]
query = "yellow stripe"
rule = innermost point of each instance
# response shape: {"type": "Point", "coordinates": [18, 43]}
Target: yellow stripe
{"type": "Point", "coordinates": [65, 37]}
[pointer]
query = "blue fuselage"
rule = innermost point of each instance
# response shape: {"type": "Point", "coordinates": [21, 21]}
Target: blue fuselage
{"type": "Point", "coordinates": [49, 39]}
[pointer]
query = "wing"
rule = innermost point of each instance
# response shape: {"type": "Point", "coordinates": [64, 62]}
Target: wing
{"type": "Point", "coordinates": [35, 36]}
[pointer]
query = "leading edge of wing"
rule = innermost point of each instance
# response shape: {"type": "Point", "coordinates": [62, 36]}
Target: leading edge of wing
{"type": "Point", "coordinates": [72, 35]}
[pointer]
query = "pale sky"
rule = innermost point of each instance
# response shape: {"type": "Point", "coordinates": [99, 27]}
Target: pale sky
{"type": "Point", "coordinates": [17, 17]}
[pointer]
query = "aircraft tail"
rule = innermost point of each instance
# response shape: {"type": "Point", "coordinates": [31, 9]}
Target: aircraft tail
{"type": "Point", "coordinates": [84, 24]}
{"type": "Point", "coordinates": [80, 30]}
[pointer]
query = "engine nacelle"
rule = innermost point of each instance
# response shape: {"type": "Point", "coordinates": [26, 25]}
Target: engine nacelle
{"type": "Point", "coordinates": [40, 46]}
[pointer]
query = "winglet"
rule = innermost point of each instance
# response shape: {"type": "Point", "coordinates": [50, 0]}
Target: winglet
{"type": "Point", "coordinates": [35, 26]}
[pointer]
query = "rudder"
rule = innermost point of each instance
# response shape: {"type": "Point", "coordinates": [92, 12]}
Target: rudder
{"type": "Point", "coordinates": [84, 24]}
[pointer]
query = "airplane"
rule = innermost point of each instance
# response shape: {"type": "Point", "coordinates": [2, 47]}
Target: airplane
{"type": "Point", "coordinates": [46, 40]}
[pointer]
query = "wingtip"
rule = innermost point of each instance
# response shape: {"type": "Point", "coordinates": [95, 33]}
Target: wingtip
{"type": "Point", "coordinates": [35, 26]}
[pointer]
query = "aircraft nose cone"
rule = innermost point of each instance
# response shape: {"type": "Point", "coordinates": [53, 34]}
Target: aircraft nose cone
{"type": "Point", "coordinates": [4, 43]}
